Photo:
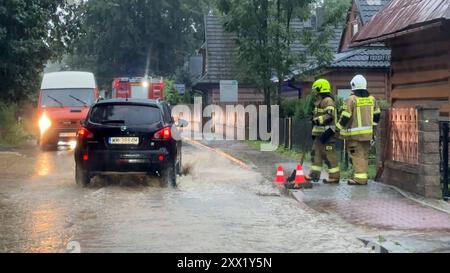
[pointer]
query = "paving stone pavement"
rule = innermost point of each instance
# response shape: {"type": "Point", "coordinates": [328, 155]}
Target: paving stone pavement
{"type": "Point", "coordinates": [375, 206]}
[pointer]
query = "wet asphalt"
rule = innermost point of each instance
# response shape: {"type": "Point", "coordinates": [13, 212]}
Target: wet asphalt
{"type": "Point", "coordinates": [217, 207]}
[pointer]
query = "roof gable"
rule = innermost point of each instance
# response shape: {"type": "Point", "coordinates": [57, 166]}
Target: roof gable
{"type": "Point", "coordinates": [368, 8]}
{"type": "Point", "coordinates": [221, 49]}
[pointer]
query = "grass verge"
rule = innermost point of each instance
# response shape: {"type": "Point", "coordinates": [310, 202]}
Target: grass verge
{"type": "Point", "coordinates": [13, 133]}
{"type": "Point", "coordinates": [346, 173]}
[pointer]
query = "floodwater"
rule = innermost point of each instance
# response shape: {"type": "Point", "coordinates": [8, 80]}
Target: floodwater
{"type": "Point", "coordinates": [217, 207]}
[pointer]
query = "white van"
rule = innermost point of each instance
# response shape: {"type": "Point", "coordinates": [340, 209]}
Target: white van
{"type": "Point", "coordinates": [64, 101]}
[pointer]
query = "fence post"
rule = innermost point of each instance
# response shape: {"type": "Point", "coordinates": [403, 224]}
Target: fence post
{"type": "Point", "coordinates": [445, 142]}
{"type": "Point", "coordinates": [344, 155]}
{"type": "Point", "coordinates": [286, 133]}
{"type": "Point", "coordinates": [290, 133]}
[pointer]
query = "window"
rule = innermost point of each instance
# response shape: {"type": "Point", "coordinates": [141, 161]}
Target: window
{"type": "Point", "coordinates": [344, 93]}
{"type": "Point", "coordinates": [167, 113]}
{"type": "Point", "coordinates": [67, 98]}
{"type": "Point", "coordinates": [129, 114]}
{"type": "Point", "coordinates": [355, 28]}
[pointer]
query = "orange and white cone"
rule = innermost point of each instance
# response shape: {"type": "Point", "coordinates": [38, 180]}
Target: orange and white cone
{"type": "Point", "coordinates": [280, 179]}
{"type": "Point", "coordinates": [300, 180]}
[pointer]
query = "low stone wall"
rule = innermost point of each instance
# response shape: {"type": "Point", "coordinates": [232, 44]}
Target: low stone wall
{"type": "Point", "coordinates": [423, 178]}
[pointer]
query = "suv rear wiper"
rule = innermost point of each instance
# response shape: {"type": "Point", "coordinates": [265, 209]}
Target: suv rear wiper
{"type": "Point", "coordinates": [57, 101]}
{"type": "Point", "coordinates": [79, 100]}
{"type": "Point", "coordinates": [112, 121]}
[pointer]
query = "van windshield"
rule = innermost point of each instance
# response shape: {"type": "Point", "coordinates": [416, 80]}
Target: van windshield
{"type": "Point", "coordinates": [67, 98]}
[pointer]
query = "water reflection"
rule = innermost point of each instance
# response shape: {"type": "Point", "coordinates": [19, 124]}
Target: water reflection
{"type": "Point", "coordinates": [44, 164]}
{"type": "Point", "coordinates": [44, 221]}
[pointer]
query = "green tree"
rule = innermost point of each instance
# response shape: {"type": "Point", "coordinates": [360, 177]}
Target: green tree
{"type": "Point", "coordinates": [171, 95]}
{"type": "Point", "coordinates": [31, 33]}
{"type": "Point", "coordinates": [136, 37]}
{"type": "Point", "coordinates": [265, 37]}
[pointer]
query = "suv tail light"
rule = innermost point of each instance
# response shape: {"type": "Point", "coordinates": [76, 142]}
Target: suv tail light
{"type": "Point", "coordinates": [85, 133]}
{"type": "Point", "coordinates": [163, 134]}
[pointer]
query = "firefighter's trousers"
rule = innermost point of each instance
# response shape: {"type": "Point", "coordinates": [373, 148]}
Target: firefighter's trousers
{"type": "Point", "coordinates": [324, 154]}
{"type": "Point", "coordinates": [359, 156]}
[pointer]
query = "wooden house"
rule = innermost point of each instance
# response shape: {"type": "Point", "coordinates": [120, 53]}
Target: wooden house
{"type": "Point", "coordinates": [219, 63]}
{"type": "Point", "coordinates": [218, 57]}
{"type": "Point", "coordinates": [418, 34]}
{"type": "Point", "coordinates": [371, 60]}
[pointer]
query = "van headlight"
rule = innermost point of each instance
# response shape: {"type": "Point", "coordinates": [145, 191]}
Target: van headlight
{"type": "Point", "coordinates": [44, 124]}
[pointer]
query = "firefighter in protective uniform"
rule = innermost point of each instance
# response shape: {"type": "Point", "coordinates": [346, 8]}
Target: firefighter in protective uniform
{"type": "Point", "coordinates": [324, 127]}
{"type": "Point", "coordinates": [360, 115]}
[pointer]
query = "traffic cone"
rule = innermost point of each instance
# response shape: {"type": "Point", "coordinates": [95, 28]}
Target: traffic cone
{"type": "Point", "coordinates": [280, 179]}
{"type": "Point", "coordinates": [300, 180]}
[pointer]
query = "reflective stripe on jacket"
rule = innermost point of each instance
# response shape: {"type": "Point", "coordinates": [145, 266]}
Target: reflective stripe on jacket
{"type": "Point", "coordinates": [360, 111]}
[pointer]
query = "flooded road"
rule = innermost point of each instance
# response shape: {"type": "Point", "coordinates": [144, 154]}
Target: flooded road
{"type": "Point", "coordinates": [217, 207]}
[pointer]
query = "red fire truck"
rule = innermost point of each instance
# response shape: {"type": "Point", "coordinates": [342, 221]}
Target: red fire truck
{"type": "Point", "coordinates": [138, 88]}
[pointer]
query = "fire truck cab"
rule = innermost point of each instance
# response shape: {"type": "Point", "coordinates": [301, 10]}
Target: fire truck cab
{"type": "Point", "coordinates": [138, 88]}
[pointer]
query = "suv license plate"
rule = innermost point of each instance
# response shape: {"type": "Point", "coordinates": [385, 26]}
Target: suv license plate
{"type": "Point", "coordinates": [68, 135]}
{"type": "Point", "coordinates": [124, 140]}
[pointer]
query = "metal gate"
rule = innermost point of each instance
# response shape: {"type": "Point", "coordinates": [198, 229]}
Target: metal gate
{"type": "Point", "coordinates": [444, 149]}
{"type": "Point", "coordinates": [403, 141]}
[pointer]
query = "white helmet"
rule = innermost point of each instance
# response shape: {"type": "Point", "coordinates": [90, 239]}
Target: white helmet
{"type": "Point", "coordinates": [359, 83]}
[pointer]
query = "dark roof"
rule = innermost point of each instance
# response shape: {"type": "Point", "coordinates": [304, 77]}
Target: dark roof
{"type": "Point", "coordinates": [367, 57]}
{"type": "Point", "coordinates": [402, 15]}
{"type": "Point", "coordinates": [221, 47]}
{"type": "Point", "coordinates": [297, 47]}
{"type": "Point", "coordinates": [371, 56]}
{"type": "Point", "coordinates": [310, 64]}
{"type": "Point", "coordinates": [368, 8]}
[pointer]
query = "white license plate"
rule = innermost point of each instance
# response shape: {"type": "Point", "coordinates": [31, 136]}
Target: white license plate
{"type": "Point", "coordinates": [67, 134]}
{"type": "Point", "coordinates": [124, 140]}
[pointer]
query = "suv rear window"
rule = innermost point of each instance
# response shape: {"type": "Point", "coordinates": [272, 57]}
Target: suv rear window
{"type": "Point", "coordinates": [129, 114]}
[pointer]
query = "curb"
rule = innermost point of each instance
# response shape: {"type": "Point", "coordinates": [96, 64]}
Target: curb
{"type": "Point", "coordinates": [409, 197]}
{"type": "Point", "coordinates": [11, 153]}
{"type": "Point", "coordinates": [221, 153]}
{"type": "Point", "coordinates": [283, 190]}
{"type": "Point", "coordinates": [385, 247]}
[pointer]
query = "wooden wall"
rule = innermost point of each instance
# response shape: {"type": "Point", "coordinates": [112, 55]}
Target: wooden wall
{"type": "Point", "coordinates": [421, 68]}
{"type": "Point", "coordinates": [378, 80]}
{"type": "Point", "coordinates": [246, 95]}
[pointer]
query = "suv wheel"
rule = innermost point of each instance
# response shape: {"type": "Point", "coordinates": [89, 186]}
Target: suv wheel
{"type": "Point", "coordinates": [179, 168]}
{"type": "Point", "coordinates": [82, 177]}
{"type": "Point", "coordinates": [169, 176]}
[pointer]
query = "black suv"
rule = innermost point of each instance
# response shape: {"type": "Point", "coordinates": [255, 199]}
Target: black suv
{"type": "Point", "coordinates": [129, 136]}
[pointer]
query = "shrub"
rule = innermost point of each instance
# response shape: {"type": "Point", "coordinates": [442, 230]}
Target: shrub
{"type": "Point", "coordinates": [12, 132]}
{"type": "Point", "coordinates": [171, 95]}
{"type": "Point", "coordinates": [299, 108]}
{"type": "Point", "coordinates": [384, 104]}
